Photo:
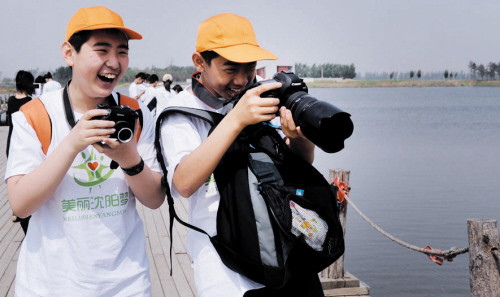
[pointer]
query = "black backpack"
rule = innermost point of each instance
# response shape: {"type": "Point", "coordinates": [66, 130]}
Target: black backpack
{"type": "Point", "coordinates": [277, 215]}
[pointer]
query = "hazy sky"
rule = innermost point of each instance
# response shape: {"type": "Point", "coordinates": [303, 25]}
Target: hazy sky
{"type": "Point", "coordinates": [375, 35]}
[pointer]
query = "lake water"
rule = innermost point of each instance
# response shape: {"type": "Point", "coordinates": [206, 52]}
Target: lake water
{"type": "Point", "coordinates": [422, 161]}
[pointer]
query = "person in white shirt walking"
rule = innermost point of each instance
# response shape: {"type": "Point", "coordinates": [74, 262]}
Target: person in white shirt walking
{"type": "Point", "coordinates": [50, 84]}
{"type": "Point", "coordinates": [133, 90]}
{"type": "Point", "coordinates": [150, 95]}
{"type": "Point", "coordinates": [163, 94]}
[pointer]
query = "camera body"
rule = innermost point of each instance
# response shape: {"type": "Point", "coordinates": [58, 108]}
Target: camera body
{"type": "Point", "coordinates": [124, 117]}
{"type": "Point", "coordinates": [290, 84]}
{"type": "Point", "coordinates": [321, 122]}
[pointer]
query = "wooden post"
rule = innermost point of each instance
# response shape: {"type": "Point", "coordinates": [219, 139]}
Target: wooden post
{"type": "Point", "coordinates": [484, 262]}
{"type": "Point", "coordinates": [336, 270]}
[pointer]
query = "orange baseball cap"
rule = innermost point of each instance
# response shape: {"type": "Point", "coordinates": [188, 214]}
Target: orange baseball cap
{"type": "Point", "coordinates": [232, 37]}
{"type": "Point", "coordinates": [97, 17]}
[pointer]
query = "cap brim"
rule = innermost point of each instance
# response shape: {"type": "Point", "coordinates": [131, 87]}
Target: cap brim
{"type": "Point", "coordinates": [130, 33]}
{"type": "Point", "coordinates": [245, 53]}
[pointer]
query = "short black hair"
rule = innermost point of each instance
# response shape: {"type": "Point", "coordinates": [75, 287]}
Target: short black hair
{"type": "Point", "coordinates": [79, 38]}
{"type": "Point", "coordinates": [140, 75]}
{"type": "Point", "coordinates": [208, 56]}
{"type": "Point", "coordinates": [48, 75]}
{"type": "Point", "coordinates": [153, 78]}
{"type": "Point", "coordinates": [24, 82]}
{"type": "Point", "coordinates": [40, 79]}
{"type": "Point", "coordinates": [177, 88]}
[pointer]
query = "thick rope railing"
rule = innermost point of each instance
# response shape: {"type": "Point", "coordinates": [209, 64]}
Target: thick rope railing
{"type": "Point", "coordinates": [435, 255]}
{"type": "Point", "coordinates": [448, 254]}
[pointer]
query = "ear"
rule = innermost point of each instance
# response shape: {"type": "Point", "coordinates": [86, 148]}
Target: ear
{"type": "Point", "coordinates": [67, 53]}
{"type": "Point", "coordinates": [199, 62]}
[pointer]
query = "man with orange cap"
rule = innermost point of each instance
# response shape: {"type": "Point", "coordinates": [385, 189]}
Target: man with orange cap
{"type": "Point", "coordinates": [226, 56]}
{"type": "Point", "coordinates": [79, 184]}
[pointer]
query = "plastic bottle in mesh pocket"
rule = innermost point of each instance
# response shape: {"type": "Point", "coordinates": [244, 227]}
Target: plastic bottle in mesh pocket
{"type": "Point", "coordinates": [308, 224]}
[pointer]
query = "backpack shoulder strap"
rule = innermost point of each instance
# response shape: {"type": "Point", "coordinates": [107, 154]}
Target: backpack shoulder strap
{"type": "Point", "coordinates": [125, 100]}
{"type": "Point", "coordinates": [39, 119]}
{"type": "Point", "coordinates": [213, 119]}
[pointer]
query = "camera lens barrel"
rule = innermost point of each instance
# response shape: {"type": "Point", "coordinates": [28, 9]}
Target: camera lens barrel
{"type": "Point", "coordinates": [124, 132]}
{"type": "Point", "coordinates": [324, 124]}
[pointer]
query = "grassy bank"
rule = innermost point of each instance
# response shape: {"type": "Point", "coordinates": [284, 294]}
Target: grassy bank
{"type": "Point", "coordinates": [4, 90]}
{"type": "Point", "coordinates": [400, 83]}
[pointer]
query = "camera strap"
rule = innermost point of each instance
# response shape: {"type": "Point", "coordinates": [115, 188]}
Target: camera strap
{"type": "Point", "coordinates": [68, 108]}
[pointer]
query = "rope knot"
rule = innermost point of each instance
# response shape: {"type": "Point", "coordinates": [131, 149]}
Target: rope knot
{"type": "Point", "coordinates": [440, 256]}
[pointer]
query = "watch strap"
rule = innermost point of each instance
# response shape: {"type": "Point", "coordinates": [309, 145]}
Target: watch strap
{"type": "Point", "coordinates": [135, 169]}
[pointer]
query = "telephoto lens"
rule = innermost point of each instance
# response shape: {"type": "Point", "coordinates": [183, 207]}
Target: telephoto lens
{"type": "Point", "coordinates": [321, 122]}
{"type": "Point", "coordinates": [326, 125]}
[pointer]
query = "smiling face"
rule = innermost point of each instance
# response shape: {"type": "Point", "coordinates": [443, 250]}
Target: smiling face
{"type": "Point", "coordinates": [99, 65]}
{"type": "Point", "coordinates": [225, 78]}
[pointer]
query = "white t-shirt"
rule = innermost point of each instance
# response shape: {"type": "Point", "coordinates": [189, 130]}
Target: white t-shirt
{"type": "Point", "coordinates": [149, 95]}
{"type": "Point", "coordinates": [140, 88]}
{"type": "Point", "coordinates": [50, 86]}
{"type": "Point", "coordinates": [132, 90]}
{"type": "Point", "coordinates": [87, 239]}
{"type": "Point", "coordinates": [162, 97]}
{"type": "Point", "coordinates": [180, 136]}
{"type": "Point", "coordinates": [38, 90]}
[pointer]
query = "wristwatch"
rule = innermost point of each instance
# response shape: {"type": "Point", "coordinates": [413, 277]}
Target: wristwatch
{"type": "Point", "coordinates": [135, 169]}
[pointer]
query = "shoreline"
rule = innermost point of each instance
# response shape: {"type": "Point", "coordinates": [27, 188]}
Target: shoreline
{"type": "Point", "coordinates": [325, 83]}
{"type": "Point", "coordinates": [328, 83]}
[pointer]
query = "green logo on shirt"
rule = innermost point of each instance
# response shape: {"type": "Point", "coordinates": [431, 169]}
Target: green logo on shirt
{"type": "Point", "coordinates": [211, 185]}
{"type": "Point", "coordinates": [94, 169]}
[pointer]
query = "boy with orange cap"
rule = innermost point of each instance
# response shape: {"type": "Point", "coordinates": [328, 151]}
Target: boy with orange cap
{"type": "Point", "coordinates": [226, 56]}
{"type": "Point", "coordinates": [85, 237]}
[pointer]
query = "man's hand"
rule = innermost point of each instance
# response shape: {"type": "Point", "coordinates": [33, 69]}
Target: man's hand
{"type": "Point", "coordinates": [295, 139]}
{"type": "Point", "coordinates": [252, 109]}
{"type": "Point", "coordinates": [88, 131]}
{"type": "Point", "coordinates": [123, 153]}
{"type": "Point", "coordinates": [288, 125]}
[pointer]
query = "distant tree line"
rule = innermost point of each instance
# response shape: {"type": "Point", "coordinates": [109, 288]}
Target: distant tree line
{"type": "Point", "coordinates": [179, 73]}
{"type": "Point", "coordinates": [489, 72]}
{"type": "Point", "coordinates": [412, 74]}
{"type": "Point", "coordinates": [327, 70]}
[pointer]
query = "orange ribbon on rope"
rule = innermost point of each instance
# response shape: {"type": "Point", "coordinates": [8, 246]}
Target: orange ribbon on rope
{"type": "Point", "coordinates": [435, 258]}
{"type": "Point", "coordinates": [342, 193]}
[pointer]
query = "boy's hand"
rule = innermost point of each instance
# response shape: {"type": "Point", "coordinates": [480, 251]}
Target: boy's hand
{"type": "Point", "coordinates": [88, 131]}
{"type": "Point", "coordinates": [295, 139]}
{"type": "Point", "coordinates": [288, 125]}
{"type": "Point", "coordinates": [252, 109]}
{"type": "Point", "coordinates": [123, 153]}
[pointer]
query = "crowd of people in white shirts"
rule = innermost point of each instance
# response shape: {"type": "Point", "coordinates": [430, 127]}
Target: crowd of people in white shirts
{"type": "Point", "coordinates": [153, 93]}
{"type": "Point", "coordinates": [45, 84]}
{"type": "Point", "coordinates": [145, 87]}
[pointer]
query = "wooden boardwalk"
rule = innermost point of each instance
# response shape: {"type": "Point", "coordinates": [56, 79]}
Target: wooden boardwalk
{"type": "Point", "coordinates": [156, 223]}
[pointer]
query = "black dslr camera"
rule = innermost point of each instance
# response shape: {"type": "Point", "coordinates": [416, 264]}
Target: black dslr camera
{"type": "Point", "coordinates": [321, 122]}
{"type": "Point", "coordinates": [124, 118]}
